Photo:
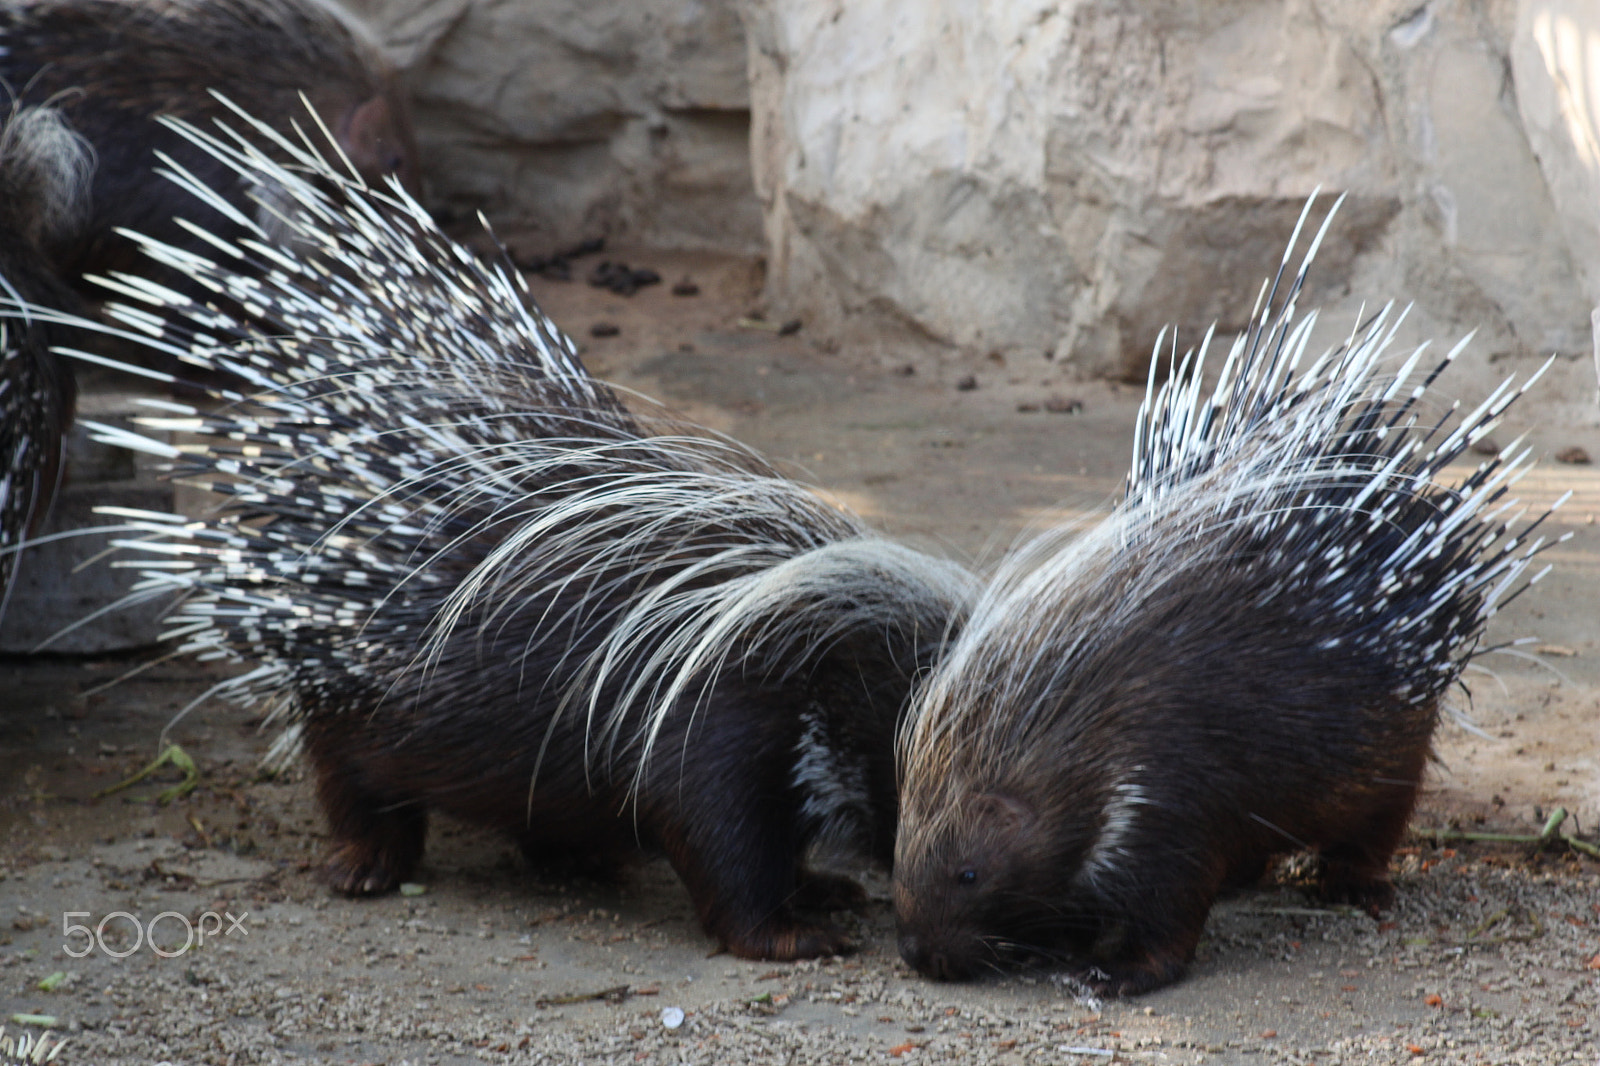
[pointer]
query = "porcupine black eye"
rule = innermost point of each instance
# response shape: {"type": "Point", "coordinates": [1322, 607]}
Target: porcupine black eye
{"type": "Point", "coordinates": [967, 878]}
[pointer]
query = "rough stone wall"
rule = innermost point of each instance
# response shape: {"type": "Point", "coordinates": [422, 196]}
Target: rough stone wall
{"type": "Point", "coordinates": [1555, 61]}
{"type": "Point", "coordinates": [577, 117]}
{"type": "Point", "coordinates": [1019, 175]}
{"type": "Point", "coordinates": [1041, 176]}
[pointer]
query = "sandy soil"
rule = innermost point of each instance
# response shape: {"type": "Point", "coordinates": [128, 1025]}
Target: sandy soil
{"type": "Point", "coordinates": [1491, 955]}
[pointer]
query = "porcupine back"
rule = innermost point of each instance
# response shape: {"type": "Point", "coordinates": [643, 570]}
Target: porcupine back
{"type": "Point", "coordinates": [1247, 656]}
{"type": "Point", "coordinates": [480, 583]}
{"type": "Point", "coordinates": [113, 67]}
{"type": "Point", "coordinates": [44, 171]}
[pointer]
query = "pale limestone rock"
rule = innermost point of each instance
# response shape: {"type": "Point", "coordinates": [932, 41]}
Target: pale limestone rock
{"type": "Point", "coordinates": [1031, 176]}
{"type": "Point", "coordinates": [1555, 59]}
{"type": "Point", "coordinates": [578, 117]}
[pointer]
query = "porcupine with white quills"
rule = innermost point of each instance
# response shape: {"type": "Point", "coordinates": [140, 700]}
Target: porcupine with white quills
{"type": "Point", "coordinates": [44, 174]}
{"type": "Point", "coordinates": [480, 584]}
{"type": "Point", "coordinates": [114, 67]}
{"type": "Point", "coordinates": [1247, 657]}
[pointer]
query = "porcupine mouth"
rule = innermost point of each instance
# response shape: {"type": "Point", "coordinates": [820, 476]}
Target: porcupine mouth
{"type": "Point", "coordinates": [941, 960]}
{"type": "Point", "coordinates": [933, 961]}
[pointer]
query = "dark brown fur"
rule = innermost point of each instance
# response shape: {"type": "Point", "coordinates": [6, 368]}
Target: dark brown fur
{"type": "Point", "coordinates": [718, 797]}
{"type": "Point", "coordinates": [1244, 739]}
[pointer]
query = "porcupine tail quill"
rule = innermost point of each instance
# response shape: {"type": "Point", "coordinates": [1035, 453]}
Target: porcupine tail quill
{"type": "Point", "coordinates": [432, 455]}
{"type": "Point", "coordinates": [1329, 475]}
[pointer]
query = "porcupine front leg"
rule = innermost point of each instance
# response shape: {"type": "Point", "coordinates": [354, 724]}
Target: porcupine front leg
{"type": "Point", "coordinates": [1356, 870]}
{"type": "Point", "coordinates": [1140, 957]}
{"type": "Point", "coordinates": [377, 839]}
{"type": "Point", "coordinates": [1148, 936]}
{"type": "Point", "coordinates": [741, 876]}
{"type": "Point", "coordinates": [728, 820]}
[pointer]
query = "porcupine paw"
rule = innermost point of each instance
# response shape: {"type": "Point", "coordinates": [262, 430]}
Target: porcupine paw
{"type": "Point", "coordinates": [827, 892]}
{"type": "Point", "coordinates": [782, 941]}
{"type": "Point", "coordinates": [1340, 884]}
{"type": "Point", "coordinates": [354, 869]}
{"type": "Point", "coordinates": [1131, 978]}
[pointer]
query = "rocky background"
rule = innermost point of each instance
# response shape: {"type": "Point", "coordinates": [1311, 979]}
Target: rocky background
{"type": "Point", "coordinates": [1050, 177]}
{"type": "Point", "coordinates": [629, 118]}
{"type": "Point", "coordinates": [978, 183]}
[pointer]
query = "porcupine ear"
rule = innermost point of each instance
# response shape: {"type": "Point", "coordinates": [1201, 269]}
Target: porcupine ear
{"type": "Point", "coordinates": [997, 827]}
{"type": "Point", "coordinates": [1005, 814]}
{"type": "Point", "coordinates": [367, 133]}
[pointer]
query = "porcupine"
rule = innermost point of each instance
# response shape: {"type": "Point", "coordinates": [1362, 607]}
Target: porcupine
{"type": "Point", "coordinates": [1247, 657]}
{"type": "Point", "coordinates": [114, 67]}
{"type": "Point", "coordinates": [480, 584]}
{"type": "Point", "coordinates": [44, 173]}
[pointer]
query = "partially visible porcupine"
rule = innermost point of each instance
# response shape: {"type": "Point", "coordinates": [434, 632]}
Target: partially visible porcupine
{"type": "Point", "coordinates": [480, 584]}
{"type": "Point", "coordinates": [114, 67]}
{"type": "Point", "coordinates": [44, 174]}
{"type": "Point", "coordinates": [1247, 657]}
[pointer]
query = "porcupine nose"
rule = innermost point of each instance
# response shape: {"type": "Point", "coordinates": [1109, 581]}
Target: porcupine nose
{"type": "Point", "coordinates": [925, 960]}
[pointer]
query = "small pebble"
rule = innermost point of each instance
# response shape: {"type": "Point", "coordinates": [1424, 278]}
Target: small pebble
{"type": "Point", "coordinates": [967, 383]}
{"type": "Point", "coordinates": [1573, 454]}
{"type": "Point", "coordinates": [671, 1017]}
{"type": "Point", "coordinates": [686, 288]}
{"type": "Point", "coordinates": [1063, 405]}
{"type": "Point", "coordinates": [604, 329]}
{"type": "Point", "coordinates": [789, 328]}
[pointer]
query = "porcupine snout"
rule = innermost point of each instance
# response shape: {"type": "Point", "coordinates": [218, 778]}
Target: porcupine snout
{"type": "Point", "coordinates": [933, 960]}
{"type": "Point", "coordinates": [930, 931]}
{"type": "Point", "coordinates": [960, 905]}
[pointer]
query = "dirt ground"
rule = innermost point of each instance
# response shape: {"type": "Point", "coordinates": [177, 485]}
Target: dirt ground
{"type": "Point", "coordinates": [1492, 954]}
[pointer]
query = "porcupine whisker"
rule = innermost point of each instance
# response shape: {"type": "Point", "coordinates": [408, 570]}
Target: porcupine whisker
{"type": "Point", "coordinates": [1049, 910]}
{"type": "Point", "coordinates": [1000, 954]}
{"type": "Point", "coordinates": [1038, 958]}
